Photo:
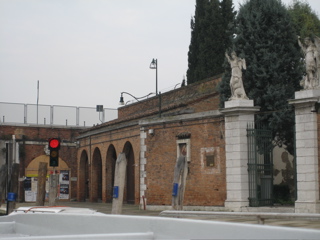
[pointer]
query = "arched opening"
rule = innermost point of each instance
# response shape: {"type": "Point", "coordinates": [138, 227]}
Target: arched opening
{"type": "Point", "coordinates": [130, 185]}
{"type": "Point", "coordinates": [110, 165]}
{"type": "Point", "coordinates": [96, 178]}
{"type": "Point", "coordinates": [83, 181]}
{"type": "Point", "coordinates": [31, 182]}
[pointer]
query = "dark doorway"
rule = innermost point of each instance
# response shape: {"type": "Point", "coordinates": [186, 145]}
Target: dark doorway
{"type": "Point", "coordinates": [96, 170]}
{"type": "Point", "coordinates": [83, 192]}
{"type": "Point", "coordinates": [130, 196]}
{"type": "Point", "coordinates": [110, 164]}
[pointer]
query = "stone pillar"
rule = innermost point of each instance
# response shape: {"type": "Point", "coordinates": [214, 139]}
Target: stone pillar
{"type": "Point", "coordinates": [53, 188]}
{"type": "Point", "coordinates": [238, 113]}
{"type": "Point", "coordinates": [41, 186]}
{"type": "Point", "coordinates": [307, 161]}
{"type": "Point", "coordinates": [119, 183]}
{"type": "Point", "coordinates": [143, 173]}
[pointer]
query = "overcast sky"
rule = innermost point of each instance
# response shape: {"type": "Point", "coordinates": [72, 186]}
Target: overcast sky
{"type": "Point", "coordinates": [86, 52]}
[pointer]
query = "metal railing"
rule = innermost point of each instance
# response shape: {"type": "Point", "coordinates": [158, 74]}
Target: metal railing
{"type": "Point", "coordinates": [54, 114]}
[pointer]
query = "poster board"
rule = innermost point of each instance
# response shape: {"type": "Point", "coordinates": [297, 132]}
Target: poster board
{"type": "Point", "coordinates": [31, 185]}
{"type": "Point", "coordinates": [64, 184]}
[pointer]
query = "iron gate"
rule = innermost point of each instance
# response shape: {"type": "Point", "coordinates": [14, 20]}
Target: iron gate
{"type": "Point", "coordinates": [260, 166]}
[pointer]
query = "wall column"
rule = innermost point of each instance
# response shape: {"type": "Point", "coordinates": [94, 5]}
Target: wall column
{"type": "Point", "coordinates": [238, 113]}
{"type": "Point", "coordinates": [143, 174]}
{"type": "Point", "coordinates": [307, 161]}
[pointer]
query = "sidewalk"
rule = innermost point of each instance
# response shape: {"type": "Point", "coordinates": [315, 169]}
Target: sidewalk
{"type": "Point", "coordinates": [129, 209]}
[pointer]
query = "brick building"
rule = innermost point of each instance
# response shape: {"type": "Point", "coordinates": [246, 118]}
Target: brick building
{"type": "Point", "coordinates": [154, 133]}
{"type": "Point", "coordinates": [151, 133]}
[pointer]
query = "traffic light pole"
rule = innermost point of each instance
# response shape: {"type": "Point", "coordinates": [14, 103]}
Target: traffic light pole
{"type": "Point", "coordinates": [54, 146]}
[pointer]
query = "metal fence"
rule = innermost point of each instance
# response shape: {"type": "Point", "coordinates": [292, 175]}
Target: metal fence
{"type": "Point", "coordinates": [260, 166]}
{"type": "Point", "coordinates": [54, 114]}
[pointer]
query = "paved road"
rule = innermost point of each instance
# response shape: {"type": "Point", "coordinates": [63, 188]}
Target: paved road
{"type": "Point", "coordinates": [134, 210]}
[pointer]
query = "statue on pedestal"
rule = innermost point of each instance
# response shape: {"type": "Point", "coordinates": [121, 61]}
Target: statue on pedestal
{"type": "Point", "coordinates": [311, 50]}
{"type": "Point", "coordinates": [236, 84]}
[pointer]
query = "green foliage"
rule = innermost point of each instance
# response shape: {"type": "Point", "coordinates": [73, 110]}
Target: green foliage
{"type": "Point", "coordinates": [210, 36]}
{"type": "Point", "coordinates": [196, 34]}
{"type": "Point", "coordinates": [266, 39]}
{"type": "Point", "coordinates": [306, 21]}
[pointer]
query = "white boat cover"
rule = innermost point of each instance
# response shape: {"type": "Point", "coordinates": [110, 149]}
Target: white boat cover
{"type": "Point", "coordinates": [67, 223]}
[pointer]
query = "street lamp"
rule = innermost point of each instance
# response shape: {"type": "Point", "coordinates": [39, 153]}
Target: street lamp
{"type": "Point", "coordinates": [154, 65]}
{"type": "Point", "coordinates": [121, 102]}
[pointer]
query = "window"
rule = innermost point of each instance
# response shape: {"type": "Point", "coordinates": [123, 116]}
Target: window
{"type": "Point", "coordinates": [183, 147]}
{"type": "Point", "coordinates": [210, 160]}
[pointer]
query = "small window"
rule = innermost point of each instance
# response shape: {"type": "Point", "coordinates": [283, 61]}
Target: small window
{"type": "Point", "coordinates": [182, 149]}
{"type": "Point", "coordinates": [210, 160]}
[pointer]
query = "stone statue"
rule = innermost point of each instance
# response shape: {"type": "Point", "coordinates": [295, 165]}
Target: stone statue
{"type": "Point", "coordinates": [311, 51]}
{"type": "Point", "coordinates": [236, 84]}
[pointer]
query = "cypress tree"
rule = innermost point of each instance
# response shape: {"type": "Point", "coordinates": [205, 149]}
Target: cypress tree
{"type": "Point", "coordinates": [265, 37]}
{"type": "Point", "coordinates": [196, 35]}
{"type": "Point", "coordinates": [209, 38]}
{"type": "Point", "coordinates": [208, 52]}
{"type": "Point", "coordinates": [228, 15]}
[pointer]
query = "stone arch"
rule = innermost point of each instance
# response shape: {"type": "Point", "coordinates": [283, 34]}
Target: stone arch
{"type": "Point", "coordinates": [32, 171]}
{"type": "Point", "coordinates": [110, 169]}
{"type": "Point", "coordinates": [83, 181]}
{"type": "Point", "coordinates": [33, 166]}
{"type": "Point", "coordinates": [96, 177]}
{"type": "Point", "coordinates": [130, 183]}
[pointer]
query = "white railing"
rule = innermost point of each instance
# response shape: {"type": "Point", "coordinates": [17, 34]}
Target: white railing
{"type": "Point", "coordinates": [54, 114]}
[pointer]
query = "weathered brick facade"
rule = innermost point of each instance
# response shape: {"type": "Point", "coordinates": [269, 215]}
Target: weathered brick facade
{"type": "Point", "coordinates": [198, 97]}
{"type": "Point", "coordinates": [97, 153]}
{"type": "Point", "coordinates": [205, 183]}
{"type": "Point", "coordinates": [91, 153]}
{"type": "Point", "coordinates": [191, 109]}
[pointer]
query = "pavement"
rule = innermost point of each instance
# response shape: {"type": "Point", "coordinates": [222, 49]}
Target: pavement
{"type": "Point", "coordinates": [129, 209]}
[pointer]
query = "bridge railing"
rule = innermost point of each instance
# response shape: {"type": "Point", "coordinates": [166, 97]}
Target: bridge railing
{"type": "Point", "coordinates": [54, 114]}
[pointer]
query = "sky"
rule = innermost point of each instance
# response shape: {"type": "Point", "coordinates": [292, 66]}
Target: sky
{"type": "Point", "coordinates": [86, 52]}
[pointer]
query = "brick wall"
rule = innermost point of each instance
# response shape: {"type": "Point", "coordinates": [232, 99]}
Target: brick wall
{"type": "Point", "coordinates": [161, 150]}
{"type": "Point", "coordinates": [110, 141]}
{"type": "Point", "coordinates": [191, 96]}
{"type": "Point", "coordinates": [206, 185]}
{"type": "Point", "coordinates": [93, 162]}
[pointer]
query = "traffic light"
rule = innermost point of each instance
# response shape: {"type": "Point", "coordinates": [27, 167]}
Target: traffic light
{"type": "Point", "coordinates": [54, 146]}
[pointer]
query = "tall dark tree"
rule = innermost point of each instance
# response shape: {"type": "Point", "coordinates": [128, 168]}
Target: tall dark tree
{"type": "Point", "coordinates": [228, 15]}
{"type": "Point", "coordinates": [266, 38]}
{"type": "Point", "coordinates": [196, 36]}
{"type": "Point", "coordinates": [210, 36]}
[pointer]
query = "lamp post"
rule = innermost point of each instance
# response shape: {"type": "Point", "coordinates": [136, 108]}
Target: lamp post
{"type": "Point", "coordinates": [154, 65]}
{"type": "Point", "coordinates": [121, 102]}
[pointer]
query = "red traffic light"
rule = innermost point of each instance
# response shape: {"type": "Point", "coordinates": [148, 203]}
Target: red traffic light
{"type": "Point", "coordinates": [54, 143]}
